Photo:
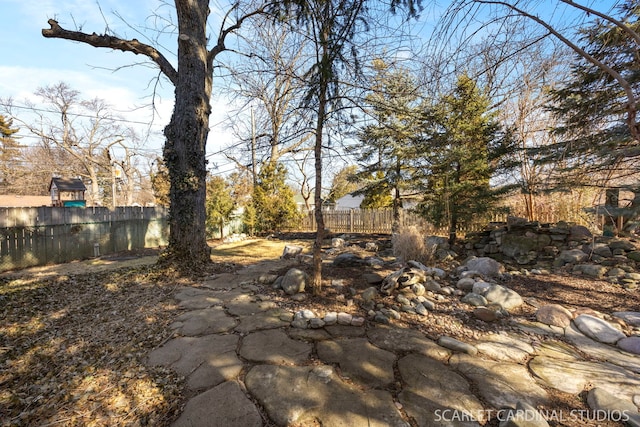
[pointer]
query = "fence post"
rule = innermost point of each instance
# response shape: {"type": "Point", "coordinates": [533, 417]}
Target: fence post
{"type": "Point", "coordinates": [351, 221]}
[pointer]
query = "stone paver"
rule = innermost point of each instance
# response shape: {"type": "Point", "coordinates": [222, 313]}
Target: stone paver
{"type": "Point", "coordinates": [195, 298]}
{"type": "Point", "coordinates": [245, 304]}
{"type": "Point", "coordinates": [359, 360]}
{"type": "Point", "coordinates": [406, 340]}
{"type": "Point", "coordinates": [205, 361]}
{"type": "Point", "coordinates": [433, 390]}
{"type": "Point", "coordinates": [205, 321]}
{"type": "Point", "coordinates": [237, 347]}
{"type": "Point", "coordinates": [500, 383]}
{"type": "Point", "coordinates": [304, 394]}
{"type": "Point", "coordinates": [222, 406]}
{"type": "Point", "coordinates": [265, 320]}
{"type": "Point", "coordinates": [274, 346]}
{"type": "Point", "coordinates": [504, 347]}
{"type": "Point", "coordinates": [573, 376]}
{"type": "Point", "coordinates": [602, 351]}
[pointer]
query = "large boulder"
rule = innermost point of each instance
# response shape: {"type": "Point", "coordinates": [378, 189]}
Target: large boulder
{"type": "Point", "coordinates": [294, 281]}
{"type": "Point", "coordinates": [598, 329]}
{"type": "Point", "coordinates": [486, 266]}
{"type": "Point", "coordinates": [572, 256]}
{"type": "Point", "coordinates": [555, 315]}
{"type": "Point", "coordinates": [505, 297]}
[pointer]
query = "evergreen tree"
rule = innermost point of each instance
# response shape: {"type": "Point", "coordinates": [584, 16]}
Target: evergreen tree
{"type": "Point", "coordinates": [463, 144]}
{"type": "Point", "coordinates": [596, 138]}
{"type": "Point", "coordinates": [342, 183]}
{"type": "Point", "coordinates": [160, 183]}
{"type": "Point", "coordinates": [379, 196]}
{"type": "Point", "coordinates": [385, 155]}
{"type": "Point", "coordinates": [10, 157]}
{"type": "Point", "coordinates": [273, 200]}
{"type": "Point", "coordinates": [219, 204]}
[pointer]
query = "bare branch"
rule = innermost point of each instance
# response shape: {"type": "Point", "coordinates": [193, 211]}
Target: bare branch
{"type": "Point", "coordinates": [606, 17]}
{"type": "Point", "coordinates": [105, 40]}
{"type": "Point", "coordinates": [631, 105]}
{"type": "Point", "coordinates": [220, 45]}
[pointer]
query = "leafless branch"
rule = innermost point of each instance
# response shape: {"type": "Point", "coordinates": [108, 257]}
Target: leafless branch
{"type": "Point", "coordinates": [105, 40]}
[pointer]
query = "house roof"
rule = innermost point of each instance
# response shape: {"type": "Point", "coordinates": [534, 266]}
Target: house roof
{"type": "Point", "coordinates": [349, 201]}
{"type": "Point", "coordinates": [16, 201]}
{"type": "Point", "coordinates": [67, 184]}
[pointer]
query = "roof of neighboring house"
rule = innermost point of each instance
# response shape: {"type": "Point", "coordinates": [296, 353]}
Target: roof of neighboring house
{"type": "Point", "coordinates": [67, 184]}
{"type": "Point", "coordinates": [349, 201]}
{"type": "Point", "coordinates": [16, 201]}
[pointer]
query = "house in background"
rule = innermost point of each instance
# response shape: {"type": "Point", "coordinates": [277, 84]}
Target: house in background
{"type": "Point", "coordinates": [67, 192]}
{"type": "Point", "coordinates": [348, 201]}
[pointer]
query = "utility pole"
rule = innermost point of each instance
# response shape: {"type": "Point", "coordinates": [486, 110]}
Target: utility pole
{"type": "Point", "coordinates": [253, 148]}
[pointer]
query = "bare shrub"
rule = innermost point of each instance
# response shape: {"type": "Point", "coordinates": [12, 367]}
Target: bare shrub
{"type": "Point", "coordinates": [409, 244]}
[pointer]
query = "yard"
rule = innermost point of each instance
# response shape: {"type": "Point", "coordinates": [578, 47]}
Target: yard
{"type": "Point", "coordinates": [74, 337]}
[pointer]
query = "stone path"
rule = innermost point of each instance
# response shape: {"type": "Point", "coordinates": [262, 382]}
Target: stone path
{"type": "Point", "coordinates": [238, 353]}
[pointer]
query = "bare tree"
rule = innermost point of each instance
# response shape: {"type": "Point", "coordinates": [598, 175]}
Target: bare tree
{"type": "Point", "coordinates": [462, 12]}
{"type": "Point", "coordinates": [525, 111]}
{"type": "Point", "coordinates": [186, 134]}
{"type": "Point", "coordinates": [74, 134]}
{"type": "Point", "coordinates": [268, 82]}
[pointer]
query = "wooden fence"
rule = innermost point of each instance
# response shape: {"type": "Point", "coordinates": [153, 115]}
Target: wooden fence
{"type": "Point", "coordinates": [381, 221]}
{"type": "Point", "coordinates": [44, 235]}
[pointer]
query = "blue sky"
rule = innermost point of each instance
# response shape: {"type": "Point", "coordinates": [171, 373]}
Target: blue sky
{"type": "Point", "coordinates": [30, 61]}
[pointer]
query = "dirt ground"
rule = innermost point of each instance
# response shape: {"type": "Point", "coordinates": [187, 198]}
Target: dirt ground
{"type": "Point", "coordinates": [74, 337]}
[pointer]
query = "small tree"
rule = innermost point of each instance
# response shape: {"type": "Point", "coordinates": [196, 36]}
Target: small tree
{"type": "Point", "coordinates": [10, 156]}
{"type": "Point", "coordinates": [160, 183]}
{"type": "Point", "coordinates": [273, 199]}
{"type": "Point", "coordinates": [220, 205]}
{"type": "Point", "coordinates": [386, 150]}
{"type": "Point", "coordinates": [463, 142]}
{"type": "Point", "coordinates": [343, 183]}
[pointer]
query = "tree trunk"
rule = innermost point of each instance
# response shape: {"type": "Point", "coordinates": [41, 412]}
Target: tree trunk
{"type": "Point", "coordinates": [325, 71]}
{"type": "Point", "coordinates": [186, 133]}
{"type": "Point", "coordinates": [317, 245]}
{"type": "Point", "coordinates": [184, 150]}
{"type": "Point", "coordinates": [397, 201]}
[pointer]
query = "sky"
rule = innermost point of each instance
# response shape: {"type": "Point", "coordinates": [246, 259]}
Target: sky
{"type": "Point", "coordinates": [30, 61]}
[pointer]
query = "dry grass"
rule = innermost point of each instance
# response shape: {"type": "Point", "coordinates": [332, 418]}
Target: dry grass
{"type": "Point", "coordinates": [253, 250]}
{"type": "Point", "coordinates": [73, 349]}
{"type": "Point", "coordinates": [409, 244]}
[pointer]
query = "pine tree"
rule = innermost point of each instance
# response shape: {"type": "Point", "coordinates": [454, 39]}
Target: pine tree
{"type": "Point", "coordinates": [595, 139]}
{"type": "Point", "coordinates": [9, 156]}
{"type": "Point", "coordinates": [219, 204]}
{"type": "Point", "coordinates": [463, 142]}
{"type": "Point", "coordinates": [386, 151]}
{"type": "Point", "coordinates": [273, 200]}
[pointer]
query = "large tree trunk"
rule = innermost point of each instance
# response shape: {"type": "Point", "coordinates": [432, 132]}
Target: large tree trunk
{"type": "Point", "coordinates": [186, 134]}
{"type": "Point", "coordinates": [184, 150]}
